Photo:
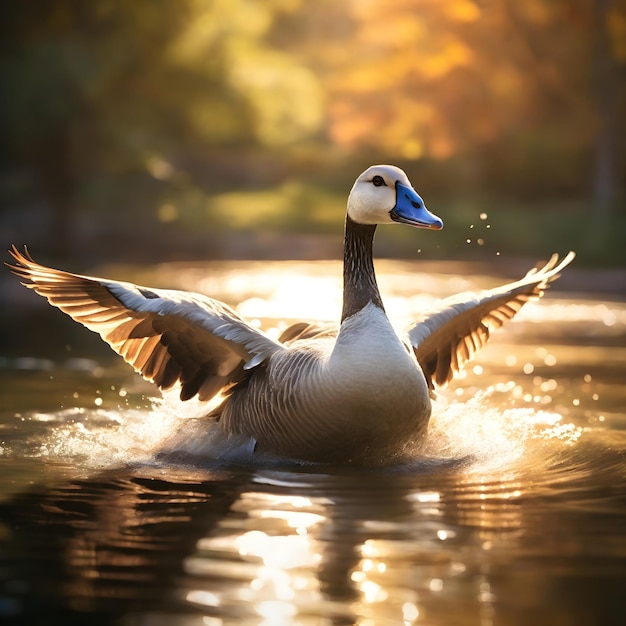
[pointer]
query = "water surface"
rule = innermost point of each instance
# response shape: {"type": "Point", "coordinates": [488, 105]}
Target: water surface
{"type": "Point", "coordinates": [517, 515]}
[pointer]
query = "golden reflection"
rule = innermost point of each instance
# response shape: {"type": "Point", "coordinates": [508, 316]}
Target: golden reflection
{"type": "Point", "coordinates": [397, 551]}
{"type": "Point", "coordinates": [424, 496]}
{"type": "Point", "coordinates": [277, 553]}
{"type": "Point", "coordinates": [385, 592]}
{"type": "Point", "coordinates": [269, 553]}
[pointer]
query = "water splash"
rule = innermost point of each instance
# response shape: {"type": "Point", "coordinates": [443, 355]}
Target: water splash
{"type": "Point", "coordinates": [105, 438]}
{"type": "Point", "coordinates": [493, 437]}
{"type": "Point", "coordinates": [478, 430]}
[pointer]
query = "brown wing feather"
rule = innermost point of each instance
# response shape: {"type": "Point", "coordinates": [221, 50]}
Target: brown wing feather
{"type": "Point", "coordinates": [306, 330]}
{"type": "Point", "coordinates": [174, 344]}
{"type": "Point", "coordinates": [446, 338]}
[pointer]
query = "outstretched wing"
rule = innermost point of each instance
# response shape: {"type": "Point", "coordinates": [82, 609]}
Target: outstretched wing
{"type": "Point", "coordinates": [447, 337]}
{"type": "Point", "coordinates": [168, 336]}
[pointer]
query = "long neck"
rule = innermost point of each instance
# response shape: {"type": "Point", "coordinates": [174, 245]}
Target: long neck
{"type": "Point", "coordinates": [359, 280]}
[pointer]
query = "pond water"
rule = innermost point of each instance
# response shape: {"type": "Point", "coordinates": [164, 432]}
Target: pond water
{"type": "Point", "coordinates": [517, 516]}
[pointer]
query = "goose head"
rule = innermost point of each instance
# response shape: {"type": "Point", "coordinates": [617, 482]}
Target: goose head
{"type": "Point", "coordinates": [383, 194]}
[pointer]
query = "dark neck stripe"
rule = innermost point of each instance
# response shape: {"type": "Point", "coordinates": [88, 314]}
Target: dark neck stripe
{"type": "Point", "coordinates": [359, 280]}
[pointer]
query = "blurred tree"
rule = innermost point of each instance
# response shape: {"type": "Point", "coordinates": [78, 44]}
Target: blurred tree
{"type": "Point", "coordinates": [511, 87]}
{"type": "Point", "coordinates": [609, 50]}
{"type": "Point", "coordinates": [107, 88]}
{"type": "Point", "coordinates": [63, 65]}
{"type": "Point", "coordinates": [144, 107]}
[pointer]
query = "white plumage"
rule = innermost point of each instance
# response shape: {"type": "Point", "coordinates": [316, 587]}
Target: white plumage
{"type": "Point", "coordinates": [359, 394]}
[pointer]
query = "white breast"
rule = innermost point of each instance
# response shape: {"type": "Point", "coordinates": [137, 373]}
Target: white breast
{"type": "Point", "coordinates": [371, 365]}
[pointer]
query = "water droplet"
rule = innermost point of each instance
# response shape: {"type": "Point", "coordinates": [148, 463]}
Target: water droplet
{"type": "Point", "coordinates": [410, 612]}
{"type": "Point", "coordinates": [609, 318]}
{"type": "Point", "coordinates": [548, 385]}
{"type": "Point", "coordinates": [549, 360]}
{"type": "Point", "coordinates": [445, 534]}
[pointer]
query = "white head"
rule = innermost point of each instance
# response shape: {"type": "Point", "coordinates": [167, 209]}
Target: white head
{"type": "Point", "coordinates": [383, 194]}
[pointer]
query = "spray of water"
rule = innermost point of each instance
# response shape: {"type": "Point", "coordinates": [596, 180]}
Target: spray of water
{"type": "Point", "coordinates": [492, 438]}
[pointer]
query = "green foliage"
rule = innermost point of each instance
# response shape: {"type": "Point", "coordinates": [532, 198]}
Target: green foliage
{"type": "Point", "coordinates": [291, 207]}
{"type": "Point", "coordinates": [251, 114]}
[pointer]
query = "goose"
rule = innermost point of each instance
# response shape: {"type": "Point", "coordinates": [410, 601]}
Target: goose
{"type": "Point", "coordinates": [358, 394]}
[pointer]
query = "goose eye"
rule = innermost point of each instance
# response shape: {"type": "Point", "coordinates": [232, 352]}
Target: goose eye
{"type": "Point", "coordinates": [378, 181]}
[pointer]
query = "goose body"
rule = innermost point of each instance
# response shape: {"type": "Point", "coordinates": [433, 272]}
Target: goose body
{"type": "Point", "coordinates": [360, 397]}
{"type": "Point", "coordinates": [360, 394]}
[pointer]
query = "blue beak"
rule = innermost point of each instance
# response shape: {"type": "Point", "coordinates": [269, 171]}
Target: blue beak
{"type": "Point", "coordinates": [410, 210]}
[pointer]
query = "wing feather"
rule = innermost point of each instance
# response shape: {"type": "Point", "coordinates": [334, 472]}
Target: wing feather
{"type": "Point", "coordinates": [168, 336]}
{"type": "Point", "coordinates": [306, 330]}
{"type": "Point", "coordinates": [445, 338]}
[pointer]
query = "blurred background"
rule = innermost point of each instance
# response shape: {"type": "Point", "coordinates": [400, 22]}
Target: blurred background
{"type": "Point", "coordinates": [214, 129]}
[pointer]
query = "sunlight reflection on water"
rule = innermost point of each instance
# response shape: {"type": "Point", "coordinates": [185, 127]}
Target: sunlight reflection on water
{"type": "Point", "coordinates": [438, 542]}
{"type": "Point", "coordinates": [468, 422]}
{"type": "Point", "coordinates": [476, 430]}
{"type": "Point", "coordinates": [485, 424]}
